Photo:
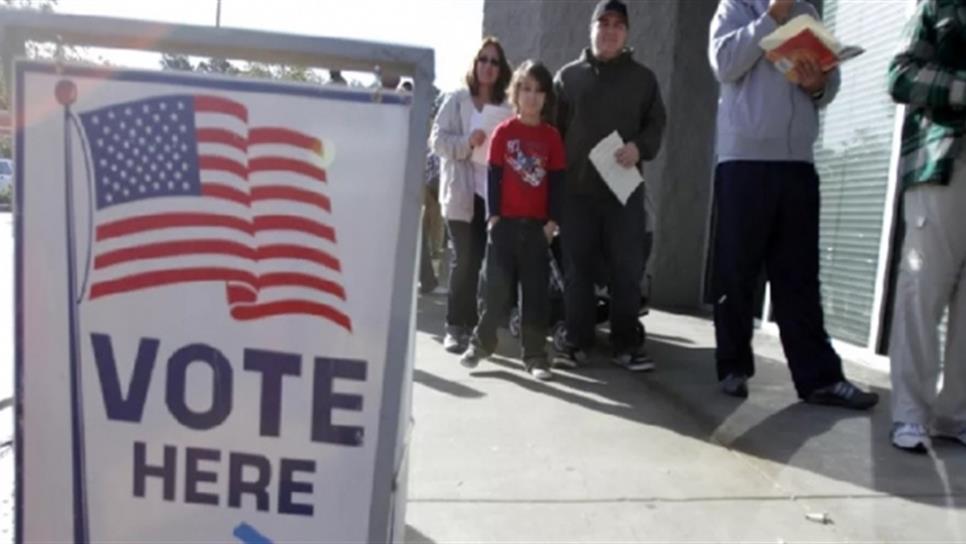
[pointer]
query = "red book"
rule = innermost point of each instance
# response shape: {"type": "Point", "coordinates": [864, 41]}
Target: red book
{"type": "Point", "coordinates": [802, 37]}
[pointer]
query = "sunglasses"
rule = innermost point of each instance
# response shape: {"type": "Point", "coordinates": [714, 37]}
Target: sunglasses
{"type": "Point", "coordinates": [492, 61]}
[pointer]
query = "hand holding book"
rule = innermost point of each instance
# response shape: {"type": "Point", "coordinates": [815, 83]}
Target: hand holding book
{"type": "Point", "coordinates": [795, 45]}
{"type": "Point", "coordinates": [808, 74]}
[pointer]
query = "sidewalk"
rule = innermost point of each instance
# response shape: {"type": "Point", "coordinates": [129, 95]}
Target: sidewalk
{"type": "Point", "coordinates": [605, 455]}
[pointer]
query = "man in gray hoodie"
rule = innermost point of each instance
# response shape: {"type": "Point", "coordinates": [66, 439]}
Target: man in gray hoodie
{"type": "Point", "coordinates": [767, 197]}
{"type": "Point", "coordinates": [604, 91]}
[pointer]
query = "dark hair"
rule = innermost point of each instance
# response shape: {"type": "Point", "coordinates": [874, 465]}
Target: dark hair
{"type": "Point", "coordinates": [502, 80]}
{"type": "Point", "coordinates": [541, 75]}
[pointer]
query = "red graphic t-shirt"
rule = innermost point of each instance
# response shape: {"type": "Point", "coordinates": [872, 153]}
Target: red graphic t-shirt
{"type": "Point", "coordinates": [527, 155]}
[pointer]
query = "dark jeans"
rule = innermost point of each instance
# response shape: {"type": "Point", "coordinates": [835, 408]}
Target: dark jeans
{"type": "Point", "coordinates": [427, 276]}
{"type": "Point", "coordinates": [516, 249]}
{"type": "Point", "coordinates": [767, 215]}
{"type": "Point", "coordinates": [597, 226]}
{"type": "Point", "coordinates": [468, 241]}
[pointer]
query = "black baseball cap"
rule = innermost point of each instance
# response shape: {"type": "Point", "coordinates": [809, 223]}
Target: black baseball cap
{"type": "Point", "coordinates": [613, 6]}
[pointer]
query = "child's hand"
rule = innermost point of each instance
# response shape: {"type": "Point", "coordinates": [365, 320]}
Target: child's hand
{"type": "Point", "coordinates": [549, 230]}
{"type": "Point", "coordinates": [492, 222]}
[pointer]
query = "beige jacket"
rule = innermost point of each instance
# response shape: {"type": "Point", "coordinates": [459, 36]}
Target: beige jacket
{"type": "Point", "coordinates": [449, 140]}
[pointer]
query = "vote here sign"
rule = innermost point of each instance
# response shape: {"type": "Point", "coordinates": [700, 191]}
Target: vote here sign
{"type": "Point", "coordinates": [204, 286]}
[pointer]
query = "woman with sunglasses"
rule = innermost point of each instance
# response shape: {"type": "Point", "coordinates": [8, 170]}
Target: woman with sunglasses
{"type": "Point", "coordinates": [463, 183]}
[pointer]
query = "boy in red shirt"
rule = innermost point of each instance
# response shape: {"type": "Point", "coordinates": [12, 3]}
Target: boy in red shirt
{"type": "Point", "coordinates": [524, 192]}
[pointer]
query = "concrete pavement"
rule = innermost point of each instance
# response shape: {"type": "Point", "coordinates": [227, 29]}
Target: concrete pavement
{"type": "Point", "coordinates": [605, 455]}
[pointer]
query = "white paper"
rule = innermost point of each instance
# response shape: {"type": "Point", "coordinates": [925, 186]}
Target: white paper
{"type": "Point", "coordinates": [489, 118]}
{"type": "Point", "coordinates": [622, 181]}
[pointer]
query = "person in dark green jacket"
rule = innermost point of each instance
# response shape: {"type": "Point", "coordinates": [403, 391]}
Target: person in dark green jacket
{"type": "Point", "coordinates": [603, 91]}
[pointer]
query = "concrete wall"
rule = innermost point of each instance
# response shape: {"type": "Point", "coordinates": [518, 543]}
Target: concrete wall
{"type": "Point", "coordinates": [682, 183]}
{"type": "Point", "coordinates": [670, 37]}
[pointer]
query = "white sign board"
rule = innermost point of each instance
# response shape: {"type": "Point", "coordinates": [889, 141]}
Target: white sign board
{"type": "Point", "coordinates": [205, 271]}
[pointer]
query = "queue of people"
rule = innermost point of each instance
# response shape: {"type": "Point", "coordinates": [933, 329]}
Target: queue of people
{"type": "Point", "coordinates": [540, 182]}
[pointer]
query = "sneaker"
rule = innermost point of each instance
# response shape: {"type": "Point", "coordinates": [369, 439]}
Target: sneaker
{"type": "Point", "coordinates": [635, 361]}
{"type": "Point", "coordinates": [472, 356]}
{"type": "Point", "coordinates": [540, 370]}
{"type": "Point", "coordinates": [454, 342]}
{"type": "Point", "coordinates": [843, 394]}
{"type": "Point", "coordinates": [570, 358]}
{"type": "Point", "coordinates": [439, 290]}
{"type": "Point", "coordinates": [910, 437]}
{"type": "Point", "coordinates": [735, 385]}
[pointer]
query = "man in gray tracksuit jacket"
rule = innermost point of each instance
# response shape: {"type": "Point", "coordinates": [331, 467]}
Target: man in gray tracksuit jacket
{"type": "Point", "coordinates": [767, 198]}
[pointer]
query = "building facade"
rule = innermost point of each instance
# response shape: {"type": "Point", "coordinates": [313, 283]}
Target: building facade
{"type": "Point", "coordinates": [855, 153]}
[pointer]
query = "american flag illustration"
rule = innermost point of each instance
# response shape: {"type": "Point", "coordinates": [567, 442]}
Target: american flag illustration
{"type": "Point", "coordinates": [186, 191]}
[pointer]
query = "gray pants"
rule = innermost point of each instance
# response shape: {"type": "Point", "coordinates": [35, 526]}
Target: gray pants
{"type": "Point", "coordinates": [932, 277]}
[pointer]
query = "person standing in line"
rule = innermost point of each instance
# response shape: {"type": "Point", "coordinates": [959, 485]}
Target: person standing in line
{"type": "Point", "coordinates": [428, 283]}
{"type": "Point", "coordinates": [463, 184]}
{"type": "Point", "coordinates": [526, 163]}
{"type": "Point", "coordinates": [604, 91]}
{"type": "Point", "coordinates": [767, 198]}
{"type": "Point", "coordinates": [929, 75]}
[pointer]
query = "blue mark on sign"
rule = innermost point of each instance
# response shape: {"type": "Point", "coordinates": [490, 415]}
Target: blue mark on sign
{"type": "Point", "coordinates": [248, 535]}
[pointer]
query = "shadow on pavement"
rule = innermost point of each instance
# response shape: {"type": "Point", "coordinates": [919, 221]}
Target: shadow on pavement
{"type": "Point", "coordinates": [682, 396]}
{"type": "Point", "coordinates": [446, 386]}
{"type": "Point", "coordinates": [413, 536]}
{"type": "Point", "coordinates": [854, 447]}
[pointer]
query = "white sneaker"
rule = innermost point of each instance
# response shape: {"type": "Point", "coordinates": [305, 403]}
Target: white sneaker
{"type": "Point", "coordinates": [635, 361]}
{"type": "Point", "coordinates": [472, 356]}
{"type": "Point", "coordinates": [541, 374]}
{"type": "Point", "coordinates": [454, 342]}
{"type": "Point", "coordinates": [539, 368]}
{"type": "Point", "coordinates": [910, 437]}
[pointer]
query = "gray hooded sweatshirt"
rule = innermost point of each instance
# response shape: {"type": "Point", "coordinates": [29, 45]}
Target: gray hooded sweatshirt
{"type": "Point", "coordinates": [762, 116]}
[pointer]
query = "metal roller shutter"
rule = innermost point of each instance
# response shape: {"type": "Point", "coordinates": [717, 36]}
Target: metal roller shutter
{"type": "Point", "coordinates": [853, 155]}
